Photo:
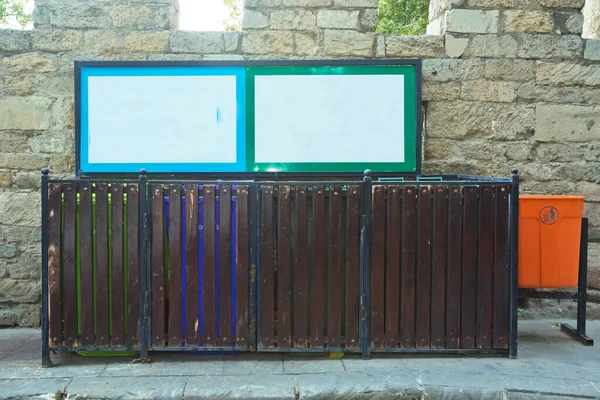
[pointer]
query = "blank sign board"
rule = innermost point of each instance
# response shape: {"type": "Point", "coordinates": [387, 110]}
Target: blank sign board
{"type": "Point", "coordinates": [238, 116]}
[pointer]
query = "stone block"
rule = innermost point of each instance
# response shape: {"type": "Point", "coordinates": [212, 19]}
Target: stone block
{"type": "Point", "coordinates": [532, 93]}
{"type": "Point", "coordinates": [567, 123]}
{"type": "Point", "coordinates": [254, 20]}
{"type": "Point", "coordinates": [25, 113]}
{"type": "Point", "coordinates": [131, 16]}
{"type": "Point", "coordinates": [21, 85]}
{"type": "Point", "coordinates": [414, 46]}
{"type": "Point", "coordinates": [20, 209]}
{"type": "Point", "coordinates": [13, 142]}
{"type": "Point", "coordinates": [27, 180]}
{"type": "Point", "coordinates": [49, 143]}
{"type": "Point", "coordinates": [567, 74]}
{"type": "Point", "coordinates": [592, 50]}
{"type": "Point", "coordinates": [306, 3]}
{"type": "Point", "coordinates": [20, 234]}
{"type": "Point", "coordinates": [380, 46]}
{"type": "Point", "coordinates": [293, 19]}
{"type": "Point", "coordinates": [64, 164]}
{"type": "Point", "coordinates": [510, 70]}
{"type": "Point", "coordinates": [562, 4]}
{"type": "Point", "coordinates": [270, 3]}
{"type": "Point", "coordinates": [497, 4]}
{"type": "Point", "coordinates": [369, 19]}
{"type": "Point", "coordinates": [460, 119]}
{"type": "Point", "coordinates": [436, 91]}
{"type": "Point", "coordinates": [592, 212]}
{"type": "Point", "coordinates": [28, 266]}
{"type": "Point", "coordinates": [175, 57]}
{"type": "Point", "coordinates": [472, 21]}
{"type": "Point", "coordinates": [26, 162]}
{"type": "Point", "coordinates": [15, 40]}
{"type": "Point", "coordinates": [356, 3]}
{"type": "Point", "coordinates": [550, 46]}
{"type": "Point", "coordinates": [196, 42]}
{"type": "Point", "coordinates": [8, 316]}
{"type": "Point", "coordinates": [348, 43]}
{"type": "Point", "coordinates": [566, 152]}
{"type": "Point", "coordinates": [266, 42]}
{"type": "Point", "coordinates": [305, 43]}
{"type": "Point", "coordinates": [75, 16]}
{"type": "Point", "coordinates": [223, 57]}
{"type": "Point", "coordinates": [591, 191]}
{"type": "Point", "coordinates": [103, 41]}
{"type": "Point", "coordinates": [337, 19]}
{"type": "Point", "coordinates": [231, 41]}
{"type": "Point", "coordinates": [492, 46]}
{"type": "Point", "coordinates": [56, 41]}
{"type": "Point", "coordinates": [54, 86]}
{"type": "Point", "coordinates": [8, 251]}
{"type": "Point", "coordinates": [30, 63]}
{"type": "Point", "coordinates": [568, 22]}
{"type": "Point", "coordinates": [528, 21]}
{"type": "Point", "coordinates": [444, 70]}
{"type": "Point", "coordinates": [499, 92]}
{"type": "Point", "coordinates": [28, 315]}
{"type": "Point", "coordinates": [142, 41]}
{"type": "Point", "coordinates": [18, 291]}
{"type": "Point", "coordinates": [5, 179]}
{"type": "Point", "coordinates": [455, 47]}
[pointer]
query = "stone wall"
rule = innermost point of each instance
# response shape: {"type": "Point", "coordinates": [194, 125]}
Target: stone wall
{"type": "Point", "coordinates": [506, 83]}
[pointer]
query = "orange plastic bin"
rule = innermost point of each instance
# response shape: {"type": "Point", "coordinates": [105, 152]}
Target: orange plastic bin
{"type": "Point", "coordinates": [549, 241]}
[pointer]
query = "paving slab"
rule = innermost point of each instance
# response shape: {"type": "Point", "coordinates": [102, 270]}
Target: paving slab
{"type": "Point", "coordinates": [143, 388]}
{"type": "Point", "coordinates": [308, 365]}
{"type": "Point", "coordinates": [280, 387]}
{"type": "Point", "coordinates": [31, 388]}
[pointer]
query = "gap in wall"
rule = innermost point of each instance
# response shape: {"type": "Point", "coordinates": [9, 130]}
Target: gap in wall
{"type": "Point", "coordinates": [16, 14]}
{"type": "Point", "coordinates": [210, 15]}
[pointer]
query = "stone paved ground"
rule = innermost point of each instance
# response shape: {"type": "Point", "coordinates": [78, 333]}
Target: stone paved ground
{"type": "Point", "coordinates": [550, 365]}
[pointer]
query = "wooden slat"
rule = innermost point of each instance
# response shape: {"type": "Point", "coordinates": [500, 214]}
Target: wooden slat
{"type": "Point", "coordinates": [54, 264]}
{"type": "Point", "coordinates": [242, 259]}
{"type": "Point", "coordinates": [485, 269]}
{"type": "Point", "coordinates": [102, 302]}
{"type": "Point", "coordinates": [335, 279]}
{"type": "Point", "coordinates": [267, 268]}
{"type": "Point", "coordinates": [191, 265]}
{"type": "Point", "coordinates": [157, 266]}
{"type": "Point", "coordinates": [378, 267]}
{"type": "Point", "coordinates": [284, 232]}
{"type": "Point", "coordinates": [86, 265]}
{"type": "Point", "coordinates": [407, 276]}
{"type": "Point", "coordinates": [423, 294]}
{"type": "Point", "coordinates": [133, 266]}
{"type": "Point", "coordinates": [225, 323]}
{"type": "Point", "coordinates": [392, 267]}
{"type": "Point", "coordinates": [69, 264]}
{"type": "Point", "coordinates": [352, 266]}
{"type": "Point", "coordinates": [174, 334]}
{"type": "Point", "coordinates": [469, 267]}
{"type": "Point", "coordinates": [117, 270]}
{"type": "Point", "coordinates": [501, 270]}
{"type": "Point", "coordinates": [317, 288]}
{"type": "Point", "coordinates": [438, 266]}
{"type": "Point", "coordinates": [301, 269]}
{"type": "Point", "coordinates": [210, 267]}
{"type": "Point", "coordinates": [453, 293]}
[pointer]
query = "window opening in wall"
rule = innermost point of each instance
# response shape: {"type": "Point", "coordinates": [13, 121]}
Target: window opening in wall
{"type": "Point", "coordinates": [403, 17]}
{"type": "Point", "coordinates": [16, 14]}
{"type": "Point", "coordinates": [210, 15]}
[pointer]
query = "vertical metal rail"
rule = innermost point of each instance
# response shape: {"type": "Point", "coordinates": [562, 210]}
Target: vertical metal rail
{"type": "Point", "coordinates": [145, 273]}
{"type": "Point", "coordinates": [514, 263]}
{"type": "Point", "coordinates": [252, 292]}
{"type": "Point", "coordinates": [365, 265]}
{"type": "Point", "coordinates": [46, 362]}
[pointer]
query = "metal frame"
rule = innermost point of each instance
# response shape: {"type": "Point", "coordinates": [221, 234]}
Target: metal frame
{"type": "Point", "coordinates": [514, 263]}
{"type": "Point", "coordinates": [580, 296]}
{"type": "Point", "coordinates": [417, 63]}
{"type": "Point", "coordinates": [46, 362]}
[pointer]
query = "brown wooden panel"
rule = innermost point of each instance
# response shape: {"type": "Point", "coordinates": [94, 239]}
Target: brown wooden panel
{"type": "Point", "coordinates": [335, 279]}
{"type": "Point", "coordinates": [69, 272]}
{"type": "Point", "coordinates": [54, 264]}
{"type": "Point", "coordinates": [191, 265]}
{"type": "Point", "coordinates": [210, 266]}
{"type": "Point", "coordinates": [133, 266]}
{"type": "Point", "coordinates": [378, 267]}
{"type": "Point", "coordinates": [102, 277]}
{"type": "Point", "coordinates": [453, 294]}
{"type": "Point", "coordinates": [407, 275]}
{"type": "Point", "coordinates": [158, 266]}
{"type": "Point", "coordinates": [423, 294]}
{"type": "Point", "coordinates": [267, 268]}
{"type": "Point", "coordinates": [242, 273]}
{"type": "Point", "coordinates": [284, 232]}
{"type": "Point", "coordinates": [392, 265]}
{"type": "Point", "coordinates": [225, 323]}
{"type": "Point", "coordinates": [501, 270]}
{"type": "Point", "coordinates": [469, 267]}
{"type": "Point", "coordinates": [485, 269]}
{"type": "Point", "coordinates": [352, 266]}
{"type": "Point", "coordinates": [174, 334]}
{"type": "Point", "coordinates": [317, 288]}
{"type": "Point", "coordinates": [438, 266]}
{"type": "Point", "coordinates": [87, 264]}
{"type": "Point", "coordinates": [117, 270]}
{"type": "Point", "coordinates": [301, 269]}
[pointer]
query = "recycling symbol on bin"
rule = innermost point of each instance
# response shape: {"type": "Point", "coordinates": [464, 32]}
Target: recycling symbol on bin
{"type": "Point", "coordinates": [549, 215]}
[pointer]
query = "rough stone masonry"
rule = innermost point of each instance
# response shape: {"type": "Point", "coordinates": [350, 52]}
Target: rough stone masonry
{"type": "Point", "coordinates": [506, 83]}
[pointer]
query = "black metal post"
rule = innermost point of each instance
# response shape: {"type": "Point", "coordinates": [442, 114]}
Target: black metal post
{"type": "Point", "coordinates": [144, 238]}
{"type": "Point", "coordinates": [579, 333]}
{"type": "Point", "coordinates": [365, 265]}
{"type": "Point", "coordinates": [253, 215]}
{"type": "Point", "coordinates": [46, 362]}
{"type": "Point", "coordinates": [514, 263]}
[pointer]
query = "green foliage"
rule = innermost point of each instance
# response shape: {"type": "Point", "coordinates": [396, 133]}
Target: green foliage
{"type": "Point", "coordinates": [403, 17]}
{"type": "Point", "coordinates": [14, 10]}
{"type": "Point", "coordinates": [234, 22]}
